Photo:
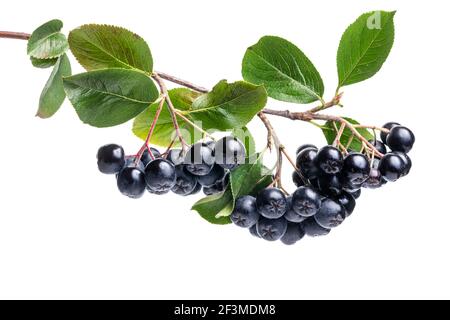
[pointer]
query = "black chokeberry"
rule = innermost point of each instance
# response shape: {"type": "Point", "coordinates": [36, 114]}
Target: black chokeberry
{"type": "Point", "coordinates": [185, 182]}
{"type": "Point", "coordinates": [230, 152]}
{"type": "Point", "coordinates": [199, 159]}
{"type": "Point", "coordinates": [407, 160]}
{"type": "Point", "coordinates": [306, 202]}
{"type": "Point", "coordinates": [290, 214]}
{"type": "Point", "coordinates": [218, 187]}
{"type": "Point", "coordinates": [356, 194]}
{"type": "Point", "coordinates": [175, 156]}
{"type": "Point", "coordinates": [375, 180]}
{"type": "Point", "coordinates": [303, 147]}
{"type": "Point", "coordinates": [389, 126]}
{"type": "Point", "coordinates": [347, 201]}
{"type": "Point", "coordinates": [294, 233]}
{"type": "Point", "coordinates": [131, 182]}
{"type": "Point", "coordinates": [215, 175]}
{"type": "Point", "coordinates": [130, 162]}
{"type": "Point", "coordinates": [197, 189]}
{"type": "Point", "coordinates": [330, 215]}
{"type": "Point", "coordinates": [110, 159]}
{"type": "Point", "coordinates": [306, 164]}
{"type": "Point", "coordinates": [392, 167]}
{"type": "Point", "coordinates": [245, 214]}
{"type": "Point", "coordinates": [271, 229]}
{"type": "Point", "coordinates": [298, 181]}
{"type": "Point", "coordinates": [254, 232]}
{"type": "Point", "coordinates": [379, 145]}
{"type": "Point", "coordinates": [329, 160]}
{"type": "Point", "coordinates": [330, 185]}
{"type": "Point", "coordinates": [401, 139]}
{"type": "Point", "coordinates": [160, 175]}
{"type": "Point", "coordinates": [271, 203]}
{"type": "Point", "coordinates": [313, 229]}
{"type": "Point", "coordinates": [356, 168]}
{"type": "Point", "coordinates": [147, 158]}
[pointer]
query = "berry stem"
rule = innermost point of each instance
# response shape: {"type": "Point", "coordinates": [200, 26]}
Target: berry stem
{"type": "Point", "coordinates": [172, 110]}
{"type": "Point", "coordinates": [15, 35]}
{"type": "Point", "coordinates": [334, 102]}
{"type": "Point", "coordinates": [205, 133]}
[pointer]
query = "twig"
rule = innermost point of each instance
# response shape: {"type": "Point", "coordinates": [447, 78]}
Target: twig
{"type": "Point", "coordinates": [15, 35]}
{"type": "Point", "coordinates": [172, 111]}
{"type": "Point", "coordinates": [334, 102]}
{"type": "Point", "coordinates": [181, 82]}
{"type": "Point", "coordinates": [339, 134]}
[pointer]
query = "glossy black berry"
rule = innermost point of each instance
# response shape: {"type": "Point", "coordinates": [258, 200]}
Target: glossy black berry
{"type": "Point", "coordinates": [271, 229]}
{"type": "Point", "coordinates": [392, 167]}
{"type": "Point", "coordinates": [291, 215]}
{"type": "Point", "coordinates": [216, 174]}
{"type": "Point", "coordinates": [185, 182]}
{"type": "Point", "coordinates": [330, 215]}
{"type": "Point", "coordinates": [230, 153]}
{"type": "Point", "coordinates": [297, 179]}
{"type": "Point", "coordinates": [294, 233]}
{"type": "Point", "coordinates": [199, 159]}
{"type": "Point", "coordinates": [303, 147]}
{"type": "Point", "coordinates": [356, 168]}
{"type": "Point", "coordinates": [356, 194]}
{"type": "Point", "coordinates": [379, 145]}
{"type": "Point", "coordinates": [306, 163]}
{"type": "Point", "coordinates": [147, 158]}
{"type": "Point", "coordinates": [175, 156]}
{"type": "Point", "coordinates": [306, 202]}
{"type": "Point", "coordinates": [375, 180]}
{"type": "Point", "coordinates": [130, 162]}
{"type": "Point", "coordinates": [197, 189]}
{"type": "Point", "coordinates": [347, 201]}
{"type": "Point", "coordinates": [160, 175]}
{"type": "Point", "coordinates": [131, 182]}
{"type": "Point", "coordinates": [219, 187]}
{"type": "Point", "coordinates": [389, 126]}
{"type": "Point", "coordinates": [313, 229]}
{"type": "Point", "coordinates": [245, 214]}
{"type": "Point", "coordinates": [110, 159]}
{"type": "Point", "coordinates": [254, 232]}
{"type": "Point", "coordinates": [401, 139]}
{"type": "Point", "coordinates": [271, 203]}
{"type": "Point", "coordinates": [329, 160]}
{"type": "Point", "coordinates": [407, 160]}
{"type": "Point", "coordinates": [330, 185]}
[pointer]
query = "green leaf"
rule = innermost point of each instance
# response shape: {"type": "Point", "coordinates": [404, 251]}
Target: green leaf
{"type": "Point", "coordinates": [110, 97]}
{"type": "Point", "coordinates": [102, 47]}
{"type": "Point", "coordinates": [211, 207]}
{"type": "Point", "coordinates": [43, 63]}
{"type": "Point", "coordinates": [244, 135]}
{"type": "Point", "coordinates": [330, 133]}
{"type": "Point", "coordinates": [283, 69]}
{"type": "Point", "coordinates": [228, 105]}
{"type": "Point", "coordinates": [53, 95]}
{"type": "Point", "coordinates": [365, 46]}
{"type": "Point", "coordinates": [164, 132]}
{"type": "Point", "coordinates": [47, 41]}
{"type": "Point", "coordinates": [248, 179]}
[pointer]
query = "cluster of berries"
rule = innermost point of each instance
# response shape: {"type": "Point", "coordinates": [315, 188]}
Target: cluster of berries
{"type": "Point", "coordinates": [328, 185]}
{"type": "Point", "coordinates": [205, 166]}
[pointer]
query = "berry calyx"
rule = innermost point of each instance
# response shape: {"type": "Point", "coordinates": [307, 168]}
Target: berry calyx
{"type": "Point", "coordinates": [110, 159]}
{"type": "Point", "coordinates": [401, 139]}
{"type": "Point", "coordinates": [306, 202]}
{"type": "Point", "coordinates": [271, 229]}
{"type": "Point", "coordinates": [245, 214]}
{"type": "Point", "coordinates": [230, 153]}
{"type": "Point", "coordinates": [271, 203]}
{"type": "Point", "coordinates": [185, 182]}
{"type": "Point", "coordinates": [329, 160]}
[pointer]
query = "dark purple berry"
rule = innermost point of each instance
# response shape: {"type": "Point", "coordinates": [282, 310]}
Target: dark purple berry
{"type": "Point", "coordinates": [329, 160]}
{"type": "Point", "coordinates": [216, 174]}
{"type": "Point", "coordinates": [147, 158]}
{"type": "Point", "coordinates": [131, 182]}
{"type": "Point", "coordinates": [294, 233]}
{"type": "Point", "coordinates": [347, 201]}
{"type": "Point", "coordinates": [389, 126]}
{"type": "Point", "coordinates": [392, 167]}
{"type": "Point", "coordinates": [245, 214]}
{"type": "Point", "coordinates": [110, 159]}
{"type": "Point", "coordinates": [306, 164]}
{"type": "Point", "coordinates": [230, 153]}
{"type": "Point", "coordinates": [298, 181]}
{"type": "Point", "coordinates": [330, 215]}
{"type": "Point", "coordinates": [356, 168]}
{"type": "Point", "coordinates": [271, 203]}
{"type": "Point", "coordinates": [175, 156]}
{"type": "Point", "coordinates": [379, 145]}
{"type": "Point", "coordinates": [303, 147]}
{"type": "Point", "coordinates": [330, 185]}
{"type": "Point", "coordinates": [313, 229]}
{"type": "Point", "coordinates": [271, 229]}
{"type": "Point", "coordinates": [401, 139]}
{"type": "Point", "coordinates": [160, 176]}
{"type": "Point", "coordinates": [254, 232]}
{"type": "Point", "coordinates": [306, 202]}
{"type": "Point", "coordinates": [375, 180]}
{"type": "Point", "coordinates": [291, 215]}
{"type": "Point", "coordinates": [199, 159]}
{"type": "Point", "coordinates": [356, 194]}
{"type": "Point", "coordinates": [407, 160]}
{"type": "Point", "coordinates": [185, 182]}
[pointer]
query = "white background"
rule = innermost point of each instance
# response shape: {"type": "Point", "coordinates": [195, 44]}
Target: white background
{"type": "Point", "coordinates": [66, 232]}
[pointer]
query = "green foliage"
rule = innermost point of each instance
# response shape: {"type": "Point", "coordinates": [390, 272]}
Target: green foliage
{"type": "Point", "coordinates": [43, 63]}
{"type": "Point", "coordinates": [365, 46]}
{"type": "Point", "coordinates": [53, 95]}
{"type": "Point", "coordinates": [47, 42]}
{"type": "Point", "coordinates": [110, 97]}
{"type": "Point", "coordinates": [102, 46]}
{"type": "Point", "coordinates": [283, 69]}
{"type": "Point", "coordinates": [330, 133]}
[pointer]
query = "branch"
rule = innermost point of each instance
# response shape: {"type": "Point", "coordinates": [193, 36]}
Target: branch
{"type": "Point", "coordinates": [181, 82]}
{"type": "Point", "coordinates": [172, 110]}
{"type": "Point", "coordinates": [15, 35]}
